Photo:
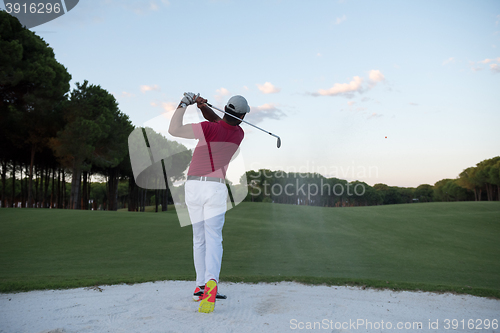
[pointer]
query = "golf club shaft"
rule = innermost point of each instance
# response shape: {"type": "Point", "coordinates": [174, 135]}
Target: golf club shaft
{"type": "Point", "coordinates": [246, 122]}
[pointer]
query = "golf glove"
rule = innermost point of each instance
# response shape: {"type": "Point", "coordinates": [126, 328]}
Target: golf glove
{"type": "Point", "coordinates": [190, 98]}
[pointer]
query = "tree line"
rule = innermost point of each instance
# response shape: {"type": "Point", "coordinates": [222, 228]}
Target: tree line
{"type": "Point", "coordinates": [53, 141]}
{"type": "Point", "coordinates": [481, 182]}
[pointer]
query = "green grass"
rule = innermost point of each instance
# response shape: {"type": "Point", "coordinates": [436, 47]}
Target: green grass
{"type": "Point", "coordinates": [433, 247]}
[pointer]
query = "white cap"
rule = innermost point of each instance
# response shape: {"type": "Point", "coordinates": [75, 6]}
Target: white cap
{"type": "Point", "coordinates": [238, 104]}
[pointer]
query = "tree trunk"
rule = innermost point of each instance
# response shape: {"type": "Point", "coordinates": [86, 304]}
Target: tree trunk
{"type": "Point", "coordinates": [85, 201]}
{"type": "Point", "coordinates": [75, 187]}
{"type": "Point", "coordinates": [35, 194]}
{"type": "Point", "coordinates": [89, 183]}
{"type": "Point", "coordinates": [164, 200]}
{"type": "Point", "coordinates": [26, 185]}
{"type": "Point", "coordinates": [30, 183]}
{"type": "Point", "coordinates": [22, 187]}
{"type": "Point", "coordinates": [112, 189]}
{"type": "Point", "coordinates": [13, 201]}
{"type": "Point", "coordinates": [52, 189]}
{"type": "Point", "coordinates": [115, 190]}
{"type": "Point", "coordinates": [156, 201]}
{"type": "Point", "coordinates": [40, 187]}
{"type": "Point", "coordinates": [4, 182]}
{"type": "Point", "coordinates": [139, 199]}
{"type": "Point", "coordinates": [46, 188]}
{"type": "Point", "coordinates": [143, 200]}
{"type": "Point", "coordinates": [108, 191]}
{"type": "Point", "coordinates": [58, 193]}
{"type": "Point", "coordinates": [63, 189]}
{"type": "Point", "coordinates": [132, 196]}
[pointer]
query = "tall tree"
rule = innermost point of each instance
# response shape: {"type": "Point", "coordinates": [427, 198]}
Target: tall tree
{"type": "Point", "coordinates": [468, 180]}
{"type": "Point", "coordinates": [32, 82]}
{"type": "Point", "coordinates": [85, 139]}
{"type": "Point", "coordinates": [494, 176]}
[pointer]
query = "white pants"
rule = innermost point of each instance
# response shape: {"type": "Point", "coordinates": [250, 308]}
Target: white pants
{"type": "Point", "coordinates": [206, 203]}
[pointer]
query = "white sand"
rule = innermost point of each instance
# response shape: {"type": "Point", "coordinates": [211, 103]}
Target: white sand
{"type": "Point", "coordinates": [167, 306]}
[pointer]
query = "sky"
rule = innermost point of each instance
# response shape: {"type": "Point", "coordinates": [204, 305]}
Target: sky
{"type": "Point", "coordinates": [396, 92]}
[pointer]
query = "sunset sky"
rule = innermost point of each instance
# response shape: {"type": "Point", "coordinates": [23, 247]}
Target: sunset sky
{"type": "Point", "coordinates": [395, 92]}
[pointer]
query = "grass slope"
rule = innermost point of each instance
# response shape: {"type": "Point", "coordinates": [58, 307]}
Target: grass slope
{"type": "Point", "coordinates": [435, 246]}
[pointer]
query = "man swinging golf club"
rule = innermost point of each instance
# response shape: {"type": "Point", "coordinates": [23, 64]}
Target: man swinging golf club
{"type": "Point", "coordinates": [205, 189]}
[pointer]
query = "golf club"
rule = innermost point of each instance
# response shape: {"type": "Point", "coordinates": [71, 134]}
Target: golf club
{"type": "Point", "coordinates": [246, 122]}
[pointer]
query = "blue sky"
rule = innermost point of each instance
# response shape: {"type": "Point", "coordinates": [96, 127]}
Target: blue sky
{"type": "Point", "coordinates": [332, 78]}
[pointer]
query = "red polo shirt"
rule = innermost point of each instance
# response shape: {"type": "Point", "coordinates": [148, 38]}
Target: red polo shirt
{"type": "Point", "coordinates": [218, 143]}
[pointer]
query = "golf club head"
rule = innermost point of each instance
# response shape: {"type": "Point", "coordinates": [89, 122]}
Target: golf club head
{"type": "Point", "coordinates": [279, 142]}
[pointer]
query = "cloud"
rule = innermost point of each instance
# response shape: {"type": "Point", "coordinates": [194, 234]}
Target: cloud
{"type": "Point", "coordinates": [153, 6]}
{"type": "Point", "coordinates": [414, 104]}
{"type": "Point", "coordinates": [220, 93]}
{"type": "Point", "coordinates": [486, 61]}
{"type": "Point", "coordinates": [374, 115]}
{"type": "Point", "coordinates": [449, 60]}
{"type": "Point", "coordinates": [343, 88]}
{"type": "Point", "coordinates": [268, 110]}
{"type": "Point", "coordinates": [319, 54]}
{"type": "Point", "coordinates": [268, 88]}
{"type": "Point", "coordinates": [167, 106]}
{"type": "Point", "coordinates": [493, 66]}
{"type": "Point", "coordinates": [340, 19]}
{"type": "Point", "coordinates": [351, 103]}
{"type": "Point", "coordinates": [473, 66]}
{"type": "Point", "coordinates": [376, 76]}
{"type": "Point", "coordinates": [145, 88]}
{"type": "Point", "coordinates": [355, 85]}
{"type": "Point", "coordinates": [127, 94]}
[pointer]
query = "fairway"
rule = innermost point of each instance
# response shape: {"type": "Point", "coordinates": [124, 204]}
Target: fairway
{"type": "Point", "coordinates": [434, 246]}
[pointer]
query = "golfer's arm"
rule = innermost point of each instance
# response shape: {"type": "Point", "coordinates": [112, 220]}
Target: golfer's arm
{"type": "Point", "coordinates": [209, 114]}
{"type": "Point", "coordinates": [176, 127]}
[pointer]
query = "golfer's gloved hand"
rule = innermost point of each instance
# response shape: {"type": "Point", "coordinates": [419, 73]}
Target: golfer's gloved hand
{"type": "Point", "coordinates": [200, 102]}
{"type": "Point", "coordinates": [189, 98]}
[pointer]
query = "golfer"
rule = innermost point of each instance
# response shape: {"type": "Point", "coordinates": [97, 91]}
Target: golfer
{"type": "Point", "coordinates": [205, 188]}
